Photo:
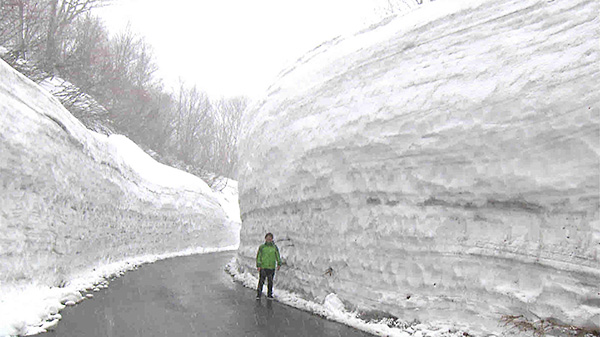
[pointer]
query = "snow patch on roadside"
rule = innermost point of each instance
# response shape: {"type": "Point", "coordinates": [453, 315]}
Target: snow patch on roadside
{"type": "Point", "coordinates": [334, 309]}
{"type": "Point", "coordinates": [34, 308]}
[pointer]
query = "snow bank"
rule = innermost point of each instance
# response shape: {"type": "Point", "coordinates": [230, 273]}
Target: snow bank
{"type": "Point", "coordinates": [442, 166]}
{"type": "Point", "coordinates": [228, 198]}
{"type": "Point", "coordinates": [73, 200]}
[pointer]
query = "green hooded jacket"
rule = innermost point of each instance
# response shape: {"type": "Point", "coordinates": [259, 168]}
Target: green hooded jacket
{"type": "Point", "coordinates": [268, 256]}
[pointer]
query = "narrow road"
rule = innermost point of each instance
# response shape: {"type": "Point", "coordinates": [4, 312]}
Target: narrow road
{"type": "Point", "coordinates": [188, 296]}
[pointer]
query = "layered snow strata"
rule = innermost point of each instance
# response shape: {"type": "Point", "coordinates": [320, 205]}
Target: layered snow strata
{"type": "Point", "coordinates": [442, 166]}
{"type": "Point", "coordinates": [72, 199]}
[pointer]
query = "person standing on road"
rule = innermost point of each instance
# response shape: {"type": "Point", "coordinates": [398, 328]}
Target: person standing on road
{"type": "Point", "coordinates": [267, 259]}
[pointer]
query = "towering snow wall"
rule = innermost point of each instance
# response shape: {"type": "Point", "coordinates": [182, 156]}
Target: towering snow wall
{"type": "Point", "coordinates": [441, 166]}
{"type": "Point", "coordinates": [72, 199]}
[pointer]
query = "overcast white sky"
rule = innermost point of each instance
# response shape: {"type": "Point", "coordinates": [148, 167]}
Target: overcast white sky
{"type": "Point", "coordinates": [234, 47]}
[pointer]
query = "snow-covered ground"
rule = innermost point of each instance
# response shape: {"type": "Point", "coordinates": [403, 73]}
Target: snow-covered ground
{"type": "Point", "coordinates": [77, 207]}
{"type": "Point", "coordinates": [442, 166]}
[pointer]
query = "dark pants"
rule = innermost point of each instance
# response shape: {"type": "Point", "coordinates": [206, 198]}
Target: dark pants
{"type": "Point", "coordinates": [268, 274]}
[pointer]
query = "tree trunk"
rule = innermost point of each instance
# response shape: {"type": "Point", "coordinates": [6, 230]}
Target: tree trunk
{"type": "Point", "coordinates": [21, 48]}
{"type": "Point", "coordinates": [50, 61]}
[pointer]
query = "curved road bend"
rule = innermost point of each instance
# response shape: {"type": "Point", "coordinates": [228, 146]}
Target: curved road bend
{"type": "Point", "coordinates": [188, 296]}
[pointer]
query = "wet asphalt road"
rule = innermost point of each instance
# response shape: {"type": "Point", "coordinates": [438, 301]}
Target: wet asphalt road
{"type": "Point", "coordinates": [188, 296]}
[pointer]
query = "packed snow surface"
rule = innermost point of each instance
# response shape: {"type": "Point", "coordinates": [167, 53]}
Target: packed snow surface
{"type": "Point", "coordinates": [441, 166]}
{"type": "Point", "coordinates": [77, 207]}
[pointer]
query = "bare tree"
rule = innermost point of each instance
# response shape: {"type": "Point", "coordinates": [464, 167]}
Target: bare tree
{"type": "Point", "coordinates": [145, 68]}
{"type": "Point", "coordinates": [204, 134]}
{"type": "Point", "coordinates": [21, 23]}
{"type": "Point", "coordinates": [228, 121]}
{"type": "Point", "coordinates": [11, 22]}
{"type": "Point", "coordinates": [158, 125]}
{"type": "Point", "coordinates": [62, 13]}
{"type": "Point", "coordinates": [192, 127]}
{"type": "Point", "coordinates": [390, 7]}
{"type": "Point", "coordinates": [21, 30]}
{"type": "Point", "coordinates": [85, 55]}
{"type": "Point", "coordinates": [129, 89]}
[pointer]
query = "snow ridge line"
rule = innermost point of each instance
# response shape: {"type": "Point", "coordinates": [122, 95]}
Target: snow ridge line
{"type": "Point", "coordinates": [40, 311]}
{"type": "Point", "coordinates": [333, 309]}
